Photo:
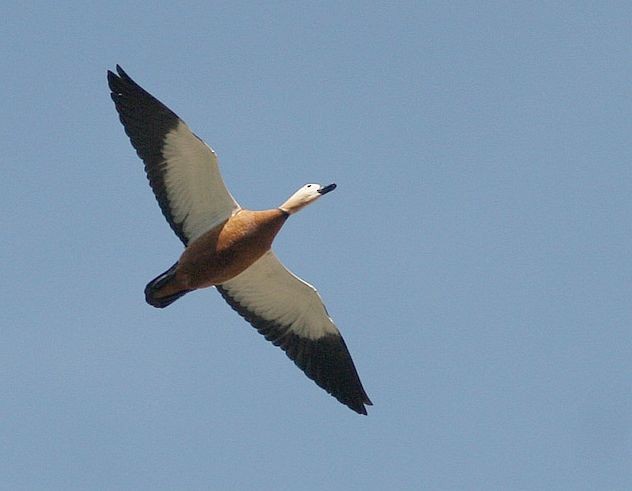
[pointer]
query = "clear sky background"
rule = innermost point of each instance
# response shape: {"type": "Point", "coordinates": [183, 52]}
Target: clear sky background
{"type": "Point", "coordinates": [477, 254]}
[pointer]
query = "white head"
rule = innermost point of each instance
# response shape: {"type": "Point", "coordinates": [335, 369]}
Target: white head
{"type": "Point", "coordinates": [304, 196]}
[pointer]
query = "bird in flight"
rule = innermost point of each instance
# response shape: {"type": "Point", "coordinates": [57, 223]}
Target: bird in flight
{"type": "Point", "coordinates": [229, 247]}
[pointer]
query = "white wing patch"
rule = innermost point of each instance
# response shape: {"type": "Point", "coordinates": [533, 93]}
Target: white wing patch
{"type": "Point", "coordinates": [273, 293]}
{"type": "Point", "coordinates": [196, 192]}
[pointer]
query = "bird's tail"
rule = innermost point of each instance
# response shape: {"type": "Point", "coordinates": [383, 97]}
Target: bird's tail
{"type": "Point", "coordinates": [155, 293]}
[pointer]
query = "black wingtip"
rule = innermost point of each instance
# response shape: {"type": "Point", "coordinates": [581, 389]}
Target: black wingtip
{"type": "Point", "coordinates": [123, 74]}
{"type": "Point", "coordinates": [325, 360]}
{"type": "Point", "coordinates": [114, 80]}
{"type": "Point", "coordinates": [359, 407]}
{"type": "Point", "coordinates": [120, 76]}
{"type": "Point", "coordinates": [360, 410]}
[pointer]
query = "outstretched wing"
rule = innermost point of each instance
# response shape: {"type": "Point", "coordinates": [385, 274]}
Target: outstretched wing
{"type": "Point", "coordinates": [290, 313]}
{"type": "Point", "coordinates": [181, 168]}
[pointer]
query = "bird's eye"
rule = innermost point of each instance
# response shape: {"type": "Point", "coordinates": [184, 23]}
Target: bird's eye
{"type": "Point", "coordinates": [309, 185]}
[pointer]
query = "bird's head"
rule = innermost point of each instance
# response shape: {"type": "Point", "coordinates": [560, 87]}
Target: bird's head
{"type": "Point", "coordinates": [304, 196]}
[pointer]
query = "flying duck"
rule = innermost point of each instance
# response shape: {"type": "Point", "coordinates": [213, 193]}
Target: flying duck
{"type": "Point", "coordinates": [229, 247]}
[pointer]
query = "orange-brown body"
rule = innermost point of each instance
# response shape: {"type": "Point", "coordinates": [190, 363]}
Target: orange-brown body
{"type": "Point", "coordinates": [225, 251]}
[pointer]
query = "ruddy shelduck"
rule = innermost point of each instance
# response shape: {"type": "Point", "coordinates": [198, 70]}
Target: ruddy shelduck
{"type": "Point", "coordinates": [229, 247]}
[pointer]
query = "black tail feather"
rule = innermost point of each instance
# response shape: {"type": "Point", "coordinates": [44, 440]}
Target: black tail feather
{"type": "Point", "coordinates": [156, 284]}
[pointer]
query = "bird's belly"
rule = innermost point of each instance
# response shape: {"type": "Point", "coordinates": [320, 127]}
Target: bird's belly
{"type": "Point", "coordinates": [224, 252]}
{"type": "Point", "coordinates": [219, 266]}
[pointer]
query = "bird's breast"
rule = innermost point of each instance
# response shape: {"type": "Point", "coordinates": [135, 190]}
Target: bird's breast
{"type": "Point", "coordinates": [228, 249]}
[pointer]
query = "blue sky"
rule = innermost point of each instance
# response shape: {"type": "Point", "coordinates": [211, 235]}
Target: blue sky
{"type": "Point", "coordinates": [476, 254]}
